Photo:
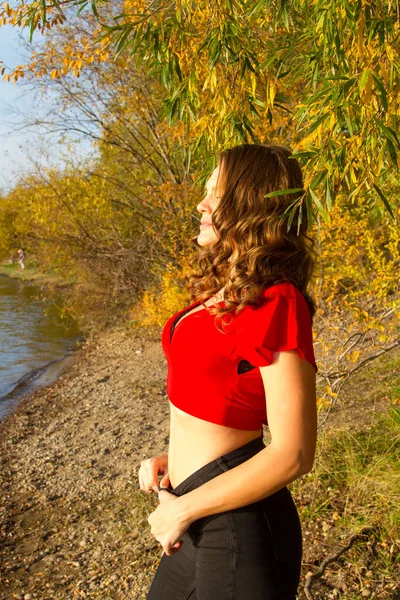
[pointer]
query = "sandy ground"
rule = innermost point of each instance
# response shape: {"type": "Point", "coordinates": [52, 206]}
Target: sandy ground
{"type": "Point", "coordinates": [73, 522]}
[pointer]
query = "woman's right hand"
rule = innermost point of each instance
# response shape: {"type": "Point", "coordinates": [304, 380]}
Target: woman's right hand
{"type": "Point", "coordinates": [149, 471]}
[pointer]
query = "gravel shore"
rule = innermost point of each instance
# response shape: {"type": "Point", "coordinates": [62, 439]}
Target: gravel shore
{"type": "Point", "coordinates": [72, 518]}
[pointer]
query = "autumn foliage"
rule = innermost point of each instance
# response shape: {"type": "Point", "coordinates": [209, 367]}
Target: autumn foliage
{"type": "Point", "coordinates": [161, 90]}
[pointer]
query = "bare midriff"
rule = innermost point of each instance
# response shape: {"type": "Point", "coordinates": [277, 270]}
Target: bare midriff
{"type": "Point", "coordinates": [194, 442]}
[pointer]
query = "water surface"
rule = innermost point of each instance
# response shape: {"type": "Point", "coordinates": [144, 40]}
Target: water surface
{"type": "Point", "coordinates": [34, 338]}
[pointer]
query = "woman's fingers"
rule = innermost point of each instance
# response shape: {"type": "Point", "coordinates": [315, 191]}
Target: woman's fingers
{"type": "Point", "coordinates": [165, 482]}
{"type": "Point", "coordinates": [153, 469]}
{"type": "Point", "coordinates": [148, 474]}
{"type": "Point", "coordinates": [175, 548]}
{"type": "Point", "coordinates": [166, 496]}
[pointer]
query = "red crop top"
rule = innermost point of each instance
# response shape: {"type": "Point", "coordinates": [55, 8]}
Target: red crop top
{"type": "Point", "coordinates": [213, 375]}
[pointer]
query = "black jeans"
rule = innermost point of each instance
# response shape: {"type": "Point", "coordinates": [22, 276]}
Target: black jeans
{"type": "Point", "coordinates": [249, 553]}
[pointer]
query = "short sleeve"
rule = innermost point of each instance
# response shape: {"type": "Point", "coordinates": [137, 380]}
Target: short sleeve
{"type": "Point", "coordinates": [282, 323]}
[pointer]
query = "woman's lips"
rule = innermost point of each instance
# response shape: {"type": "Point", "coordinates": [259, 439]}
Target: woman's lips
{"type": "Point", "coordinates": [205, 225]}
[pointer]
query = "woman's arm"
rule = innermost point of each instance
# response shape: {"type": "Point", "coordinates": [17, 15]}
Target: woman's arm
{"type": "Point", "coordinates": [290, 390]}
{"type": "Point", "coordinates": [289, 385]}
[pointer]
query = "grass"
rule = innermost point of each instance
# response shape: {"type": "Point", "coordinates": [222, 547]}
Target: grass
{"type": "Point", "coordinates": [355, 487]}
{"type": "Point", "coordinates": [10, 269]}
{"type": "Point", "coordinates": [32, 273]}
{"type": "Point", "coordinates": [365, 466]}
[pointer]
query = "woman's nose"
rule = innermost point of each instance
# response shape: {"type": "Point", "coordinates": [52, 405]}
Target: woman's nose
{"type": "Point", "coordinates": [204, 205]}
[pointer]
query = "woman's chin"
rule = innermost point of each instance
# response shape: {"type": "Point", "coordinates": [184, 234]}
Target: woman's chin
{"type": "Point", "coordinates": [206, 239]}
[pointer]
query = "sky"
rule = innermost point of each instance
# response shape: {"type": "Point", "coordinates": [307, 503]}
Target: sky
{"type": "Point", "coordinates": [17, 102]}
{"type": "Point", "coordinates": [11, 145]}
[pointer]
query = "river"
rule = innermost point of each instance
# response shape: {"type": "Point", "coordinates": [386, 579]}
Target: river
{"type": "Point", "coordinates": [35, 340]}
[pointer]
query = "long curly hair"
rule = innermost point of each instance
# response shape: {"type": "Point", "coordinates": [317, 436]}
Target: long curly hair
{"type": "Point", "coordinates": [254, 249]}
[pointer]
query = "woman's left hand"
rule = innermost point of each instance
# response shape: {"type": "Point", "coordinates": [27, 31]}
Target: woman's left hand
{"type": "Point", "coordinates": [168, 524]}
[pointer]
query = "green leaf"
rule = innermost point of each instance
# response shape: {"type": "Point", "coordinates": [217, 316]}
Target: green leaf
{"type": "Point", "coordinates": [384, 200]}
{"type": "Point", "coordinates": [381, 89]}
{"type": "Point", "coordinates": [283, 192]}
{"type": "Point", "coordinates": [300, 218]}
{"type": "Point", "coordinates": [348, 123]}
{"type": "Point", "coordinates": [121, 45]}
{"type": "Point", "coordinates": [32, 27]}
{"type": "Point", "coordinates": [315, 97]}
{"type": "Point", "coordinates": [257, 7]}
{"type": "Point", "coordinates": [82, 7]}
{"type": "Point", "coordinates": [56, 3]}
{"type": "Point", "coordinates": [317, 123]}
{"type": "Point", "coordinates": [328, 197]}
{"type": "Point", "coordinates": [392, 152]}
{"type": "Point", "coordinates": [310, 214]}
{"type": "Point", "coordinates": [43, 10]}
{"type": "Point", "coordinates": [363, 79]}
{"type": "Point", "coordinates": [291, 217]}
{"type": "Point", "coordinates": [215, 55]}
{"type": "Point", "coordinates": [318, 203]}
{"type": "Point", "coordinates": [285, 108]}
{"type": "Point", "coordinates": [249, 65]}
{"type": "Point", "coordinates": [94, 8]}
{"type": "Point", "coordinates": [306, 154]}
{"type": "Point", "coordinates": [317, 179]}
{"type": "Point", "coordinates": [253, 108]}
{"type": "Point", "coordinates": [389, 133]}
{"type": "Point", "coordinates": [249, 126]}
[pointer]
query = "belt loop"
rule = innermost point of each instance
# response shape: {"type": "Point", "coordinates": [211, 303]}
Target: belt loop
{"type": "Point", "coordinates": [220, 462]}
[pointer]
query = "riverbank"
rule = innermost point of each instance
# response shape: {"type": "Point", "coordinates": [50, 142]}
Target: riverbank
{"type": "Point", "coordinates": [74, 522]}
{"type": "Point", "coordinates": [33, 275]}
{"type": "Point", "coordinates": [35, 380]}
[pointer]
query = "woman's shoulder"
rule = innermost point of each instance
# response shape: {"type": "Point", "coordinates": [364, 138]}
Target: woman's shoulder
{"type": "Point", "coordinates": [277, 300]}
{"type": "Point", "coordinates": [278, 293]}
{"type": "Point", "coordinates": [284, 288]}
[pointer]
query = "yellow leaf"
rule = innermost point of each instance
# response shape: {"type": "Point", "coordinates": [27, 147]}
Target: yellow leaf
{"type": "Point", "coordinates": [271, 92]}
{"type": "Point", "coordinates": [360, 35]}
{"type": "Point", "coordinates": [389, 52]}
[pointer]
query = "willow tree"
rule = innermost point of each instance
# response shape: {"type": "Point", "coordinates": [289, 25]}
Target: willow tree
{"type": "Point", "coordinates": [331, 66]}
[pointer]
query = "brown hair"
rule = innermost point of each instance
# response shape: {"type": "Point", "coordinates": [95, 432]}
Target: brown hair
{"type": "Point", "coordinates": [252, 230]}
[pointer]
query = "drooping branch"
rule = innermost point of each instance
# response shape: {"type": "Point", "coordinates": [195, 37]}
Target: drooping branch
{"type": "Point", "coordinates": [311, 578]}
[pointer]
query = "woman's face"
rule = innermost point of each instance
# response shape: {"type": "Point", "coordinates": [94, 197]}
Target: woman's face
{"type": "Point", "coordinates": [206, 207]}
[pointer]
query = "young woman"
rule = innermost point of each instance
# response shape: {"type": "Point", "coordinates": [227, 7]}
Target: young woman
{"type": "Point", "coordinates": [243, 350]}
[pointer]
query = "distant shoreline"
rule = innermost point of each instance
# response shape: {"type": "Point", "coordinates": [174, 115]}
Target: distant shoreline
{"type": "Point", "coordinates": [33, 275]}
